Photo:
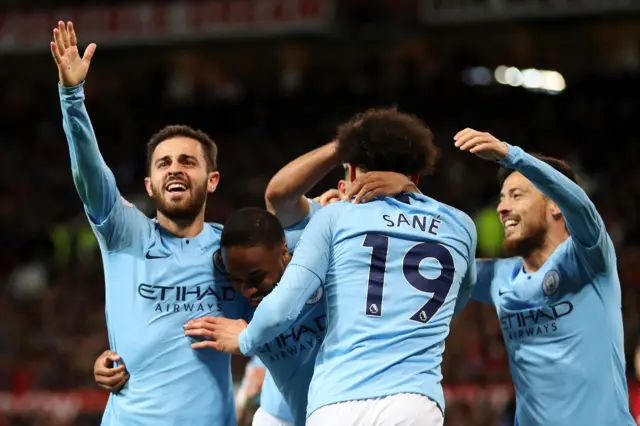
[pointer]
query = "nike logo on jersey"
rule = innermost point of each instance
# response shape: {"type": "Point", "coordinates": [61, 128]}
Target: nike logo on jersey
{"type": "Point", "coordinates": [150, 256]}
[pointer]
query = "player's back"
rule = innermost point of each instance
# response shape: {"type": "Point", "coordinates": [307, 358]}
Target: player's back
{"type": "Point", "coordinates": [395, 270]}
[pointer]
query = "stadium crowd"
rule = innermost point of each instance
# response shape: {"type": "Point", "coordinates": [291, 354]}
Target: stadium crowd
{"type": "Point", "coordinates": [52, 299]}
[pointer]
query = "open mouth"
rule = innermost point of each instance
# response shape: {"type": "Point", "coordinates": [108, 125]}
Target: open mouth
{"type": "Point", "coordinates": [510, 224]}
{"type": "Point", "coordinates": [176, 187]}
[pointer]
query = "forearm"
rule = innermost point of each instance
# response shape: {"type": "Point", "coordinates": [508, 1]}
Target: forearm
{"type": "Point", "coordinates": [280, 309]}
{"type": "Point", "coordinates": [583, 221]}
{"type": "Point", "coordinates": [94, 181]}
{"type": "Point", "coordinates": [285, 194]}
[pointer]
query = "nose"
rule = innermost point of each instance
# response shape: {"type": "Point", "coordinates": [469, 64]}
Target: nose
{"type": "Point", "coordinates": [504, 207]}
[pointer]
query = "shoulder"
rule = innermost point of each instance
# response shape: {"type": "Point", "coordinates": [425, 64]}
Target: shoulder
{"type": "Point", "coordinates": [215, 231]}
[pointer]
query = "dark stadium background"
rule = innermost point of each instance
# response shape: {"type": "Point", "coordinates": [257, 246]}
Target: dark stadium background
{"type": "Point", "coordinates": [270, 80]}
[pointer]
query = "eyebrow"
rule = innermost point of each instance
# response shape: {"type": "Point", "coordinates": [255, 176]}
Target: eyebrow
{"type": "Point", "coordinates": [180, 157]}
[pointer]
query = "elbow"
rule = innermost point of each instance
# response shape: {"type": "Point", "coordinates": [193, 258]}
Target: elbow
{"type": "Point", "coordinates": [275, 197]}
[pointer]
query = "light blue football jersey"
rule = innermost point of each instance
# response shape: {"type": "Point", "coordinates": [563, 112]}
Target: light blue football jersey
{"type": "Point", "coordinates": [562, 325]}
{"type": "Point", "coordinates": [272, 401]}
{"type": "Point", "coordinates": [154, 283]}
{"type": "Point", "coordinates": [391, 270]}
{"type": "Point", "coordinates": [290, 357]}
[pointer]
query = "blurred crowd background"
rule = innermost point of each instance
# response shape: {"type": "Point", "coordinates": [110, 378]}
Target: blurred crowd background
{"type": "Point", "coordinates": [270, 80]}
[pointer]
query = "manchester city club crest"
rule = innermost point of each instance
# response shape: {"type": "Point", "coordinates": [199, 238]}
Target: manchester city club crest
{"type": "Point", "coordinates": [551, 282]}
{"type": "Point", "coordinates": [315, 297]}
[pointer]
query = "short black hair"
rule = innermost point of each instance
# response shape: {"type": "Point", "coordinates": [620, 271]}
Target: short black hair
{"type": "Point", "coordinates": [556, 163]}
{"type": "Point", "coordinates": [180, 130]}
{"type": "Point", "coordinates": [387, 140]}
{"type": "Point", "coordinates": [250, 227]}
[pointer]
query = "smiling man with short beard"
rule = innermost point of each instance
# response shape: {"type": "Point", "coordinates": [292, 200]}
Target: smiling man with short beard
{"type": "Point", "coordinates": [558, 298]}
{"type": "Point", "coordinates": [158, 272]}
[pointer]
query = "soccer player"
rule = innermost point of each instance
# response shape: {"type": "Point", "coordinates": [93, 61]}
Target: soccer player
{"type": "Point", "coordinates": [558, 296]}
{"type": "Point", "coordinates": [390, 271]}
{"type": "Point", "coordinates": [254, 252]}
{"type": "Point", "coordinates": [158, 273]}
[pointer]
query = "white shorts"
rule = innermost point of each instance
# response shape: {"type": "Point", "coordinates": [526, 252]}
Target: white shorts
{"type": "Point", "coordinates": [404, 409]}
{"type": "Point", "coordinates": [262, 418]}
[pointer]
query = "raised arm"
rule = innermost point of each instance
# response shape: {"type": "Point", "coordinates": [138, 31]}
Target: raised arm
{"type": "Point", "coordinates": [583, 221]}
{"type": "Point", "coordinates": [285, 194]}
{"type": "Point", "coordinates": [94, 181]}
{"type": "Point", "coordinates": [116, 223]}
{"type": "Point", "coordinates": [304, 275]}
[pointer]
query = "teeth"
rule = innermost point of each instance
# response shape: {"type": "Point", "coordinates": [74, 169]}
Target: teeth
{"type": "Point", "coordinates": [175, 186]}
{"type": "Point", "coordinates": [510, 223]}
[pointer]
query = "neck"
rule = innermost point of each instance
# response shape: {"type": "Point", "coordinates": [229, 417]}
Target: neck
{"type": "Point", "coordinates": [183, 229]}
{"type": "Point", "coordinates": [538, 257]}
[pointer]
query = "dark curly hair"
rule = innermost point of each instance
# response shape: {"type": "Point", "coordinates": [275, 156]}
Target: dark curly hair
{"type": "Point", "coordinates": [387, 140]}
{"type": "Point", "coordinates": [209, 147]}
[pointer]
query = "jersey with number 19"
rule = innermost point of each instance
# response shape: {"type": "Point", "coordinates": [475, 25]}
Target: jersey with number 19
{"type": "Point", "coordinates": [394, 271]}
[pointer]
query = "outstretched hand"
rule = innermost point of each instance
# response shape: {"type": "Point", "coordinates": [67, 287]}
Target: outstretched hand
{"type": "Point", "coordinates": [482, 144]}
{"type": "Point", "coordinates": [72, 68]}
{"type": "Point", "coordinates": [223, 333]}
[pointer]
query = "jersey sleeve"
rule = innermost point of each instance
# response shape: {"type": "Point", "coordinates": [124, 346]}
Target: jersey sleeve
{"type": "Point", "coordinates": [485, 270]}
{"type": "Point", "coordinates": [293, 233]}
{"type": "Point", "coordinates": [116, 222]}
{"type": "Point", "coordinates": [304, 275]}
{"type": "Point", "coordinates": [584, 223]}
{"type": "Point", "coordinates": [469, 280]}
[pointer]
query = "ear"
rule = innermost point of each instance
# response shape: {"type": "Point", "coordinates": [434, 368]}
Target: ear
{"type": "Point", "coordinates": [414, 179]}
{"type": "Point", "coordinates": [342, 188]}
{"type": "Point", "coordinates": [286, 256]}
{"type": "Point", "coordinates": [147, 185]}
{"type": "Point", "coordinates": [212, 182]}
{"type": "Point", "coordinates": [555, 211]}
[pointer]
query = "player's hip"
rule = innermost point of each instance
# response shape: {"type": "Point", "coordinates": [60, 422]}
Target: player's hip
{"type": "Point", "coordinates": [121, 410]}
{"type": "Point", "coordinates": [375, 388]}
{"type": "Point", "coordinates": [406, 409]}
{"type": "Point", "coordinates": [262, 418]}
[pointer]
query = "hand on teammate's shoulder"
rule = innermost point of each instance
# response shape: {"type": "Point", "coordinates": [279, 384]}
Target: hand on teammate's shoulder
{"type": "Point", "coordinates": [482, 144]}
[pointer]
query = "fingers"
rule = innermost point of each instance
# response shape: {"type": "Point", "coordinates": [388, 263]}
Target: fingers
{"type": "Point", "coordinates": [329, 197]}
{"type": "Point", "coordinates": [114, 386]}
{"type": "Point", "coordinates": [57, 37]}
{"type": "Point", "coordinates": [55, 53]}
{"type": "Point", "coordinates": [89, 51]}
{"type": "Point", "coordinates": [208, 344]}
{"type": "Point", "coordinates": [64, 34]}
{"type": "Point", "coordinates": [467, 144]}
{"type": "Point", "coordinates": [463, 133]}
{"type": "Point", "coordinates": [112, 380]}
{"type": "Point", "coordinates": [73, 40]}
{"type": "Point", "coordinates": [113, 357]}
{"type": "Point", "coordinates": [368, 191]}
{"type": "Point", "coordinates": [206, 332]}
{"type": "Point", "coordinates": [204, 322]}
{"type": "Point", "coordinates": [357, 184]}
{"type": "Point", "coordinates": [110, 371]}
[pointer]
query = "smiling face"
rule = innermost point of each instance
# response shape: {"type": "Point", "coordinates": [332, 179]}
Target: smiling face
{"type": "Point", "coordinates": [255, 270]}
{"type": "Point", "coordinates": [179, 179]}
{"type": "Point", "coordinates": [525, 213]}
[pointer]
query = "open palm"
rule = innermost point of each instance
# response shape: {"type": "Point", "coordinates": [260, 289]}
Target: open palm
{"type": "Point", "coordinates": [72, 68]}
